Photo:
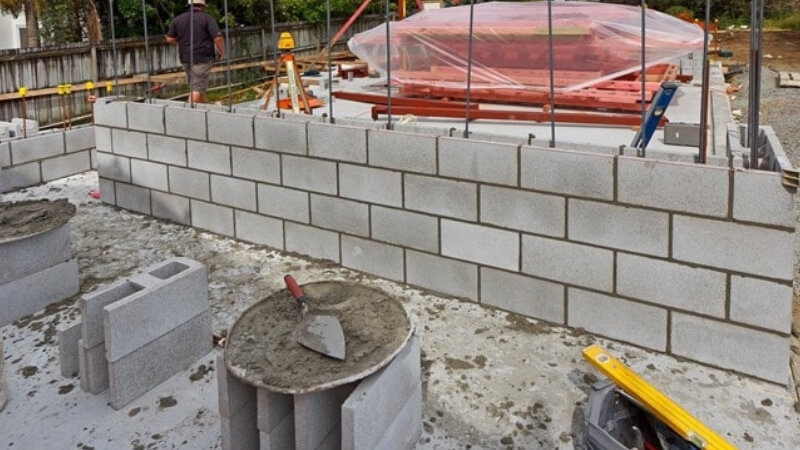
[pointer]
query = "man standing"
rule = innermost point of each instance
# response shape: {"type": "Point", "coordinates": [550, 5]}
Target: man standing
{"type": "Point", "coordinates": [206, 36]}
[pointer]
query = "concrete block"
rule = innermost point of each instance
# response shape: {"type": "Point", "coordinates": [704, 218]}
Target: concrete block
{"type": "Point", "coordinates": [733, 246]}
{"type": "Point", "coordinates": [761, 303]}
{"type": "Point", "coordinates": [17, 177]}
{"type": "Point", "coordinates": [79, 139]}
{"type": "Point", "coordinates": [5, 154]}
{"type": "Point", "coordinates": [34, 292]}
{"type": "Point", "coordinates": [619, 227]}
{"type": "Point", "coordinates": [93, 158]}
{"type": "Point", "coordinates": [256, 165]}
{"type": "Point", "coordinates": [64, 166]}
{"type": "Point", "coordinates": [483, 245]}
{"type": "Point", "coordinates": [68, 357]}
{"type": "Point", "coordinates": [129, 143]}
{"type": "Point", "coordinates": [402, 151]}
{"type": "Point", "coordinates": [378, 401]}
{"type": "Point", "coordinates": [341, 215]}
{"type": "Point", "coordinates": [110, 113]}
{"type": "Point", "coordinates": [102, 139]}
{"type": "Point", "coordinates": [316, 414]}
{"type": "Point", "coordinates": [93, 368]}
{"type": "Point", "coordinates": [568, 172]}
{"type": "Point", "coordinates": [405, 228]}
{"type": "Point", "coordinates": [671, 285]}
{"type": "Point", "coordinates": [524, 211]}
{"type": "Point", "coordinates": [171, 207]}
{"type": "Point", "coordinates": [673, 186]}
{"type": "Point", "coordinates": [446, 198]}
{"type": "Point", "coordinates": [233, 395]}
{"type": "Point", "coordinates": [273, 409]}
{"type": "Point", "coordinates": [616, 318]}
{"type": "Point", "coordinates": [35, 253]}
{"type": "Point", "coordinates": [760, 197]}
{"type": "Point", "coordinates": [107, 191]}
{"type": "Point", "coordinates": [310, 174]}
{"type": "Point", "coordinates": [146, 117]}
{"type": "Point", "coordinates": [764, 355]}
{"type": "Point", "coordinates": [209, 157]}
{"type": "Point", "coordinates": [379, 186]}
{"type": "Point", "coordinates": [186, 122]}
{"type": "Point", "coordinates": [478, 160]}
{"type": "Point", "coordinates": [91, 306]}
{"type": "Point", "coordinates": [406, 430]}
{"type": "Point", "coordinates": [337, 142]}
{"type": "Point", "coordinates": [214, 218]}
{"type": "Point", "coordinates": [149, 174]}
{"type": "Point", "coordinates": [166, 149]}
{"type": "Point", "coordinates": [568, 262]}
{"type": "Point", "coordinates": [284, 203]}
{"type": "Point", "coordinates": [233, 192]}
{"type": "Point", "coordinates": [259, 229]}
{"type": "Point", "coordinates": [312, 241]}
{"type": "Point", "coordinates": [444, 275]}
{"type": "Point", "coordinates": [677, 133]}
{"type": "Point", "coordinates": [114, 167]}
{"type": "Point", "coordinates": [37, 147]}
{"type": "Point", "coordinates": [228, 128]}
{"type": "Point", "coordinates": [523, 295]}
{"type": "Point", "coordinates": [281, 438]}
{"type": "Point", "coordinates": [190, 182]}
{"type": "Point", "coordinates": [382, 260]}
{"type": "Point", "coordinates": [148, 366]}
{"type": "Point", "coordinates": [280, 135]}
{"type": "Point", "coordinates": [134, 198]}
{"type": "Point", "coordinates": [239, 432]}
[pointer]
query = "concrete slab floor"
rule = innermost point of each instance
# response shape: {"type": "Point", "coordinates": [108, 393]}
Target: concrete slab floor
{"type": "Point", "coordinates": [491, 379]}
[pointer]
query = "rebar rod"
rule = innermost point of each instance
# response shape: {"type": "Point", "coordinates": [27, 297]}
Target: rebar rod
{"type": "Point", "coordinates": [330, 64]}
{"type": "Point", "coordinates": [191, 54]}
{"type": "Point", "coordinates": [552, 73]}
{"type": "Point", "coordinates": [469, 69]}
{"type": "Point", "coordinates": [275, 56]}
{"type": "Point", "coordinates": [388, 69]}
{"type": "Point", "coordinates": [113, 39]}
{"type": "Point", "coordinates": [146, 50]}
{"type": "Point", "coordinates": [756, 47]}
{"type": "Point", "coordinates": [228, 57]}
{"type": "Point", "coordinates": [644, 76]}
{"type": "Point", "coordinates": [703, 144]}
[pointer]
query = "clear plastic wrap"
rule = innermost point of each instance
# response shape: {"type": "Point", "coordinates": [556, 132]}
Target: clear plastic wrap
{"type": "Point", "coordinates": [593, 43]}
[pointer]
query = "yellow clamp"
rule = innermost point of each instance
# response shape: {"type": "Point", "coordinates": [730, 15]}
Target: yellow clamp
{"type": "Point", "coordinates": [90, 86]}
{"type": "Point", "coordinates": [23, 91]}
{"type": "Point", "coordinates": [60, 89]}
{"type": "Point", "coordinates": [68, 89]}
{"type": "Point", "coordinates": [109, 87]}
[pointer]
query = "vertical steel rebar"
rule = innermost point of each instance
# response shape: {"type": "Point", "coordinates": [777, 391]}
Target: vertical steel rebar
{"type": "Point", "coordinates": [275, 57]}
{"type": "Point", "coordinates": [644, 76]}
{"type": "Point", "coordinates": [330, 64]}
{"type": "Point", "coordinates": [703, 144]}
{"type": "Point", "coordinates": [146, 50]}
{"type": "Point", "coordinates": [191, 53]}
{"type": "Point", "coordinates": [552, 73]}
{"type": "Point", "coordinates": [228, 57]}
{"type": "Point", "coordinates": [756, 47]}
{"type": "Point", "coordinates": [388, 69]}
{"type": "Point", "coordinates": [113, 39]}
{"type": "Point", "coordinates": [469, 69]}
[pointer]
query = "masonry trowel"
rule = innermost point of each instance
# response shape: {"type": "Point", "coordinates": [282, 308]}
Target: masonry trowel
{"type": "Point", "coordinates": [320, 333]}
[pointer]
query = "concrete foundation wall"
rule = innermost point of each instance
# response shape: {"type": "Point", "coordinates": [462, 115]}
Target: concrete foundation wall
{"type": "Point", "coordinates": [655, 253]}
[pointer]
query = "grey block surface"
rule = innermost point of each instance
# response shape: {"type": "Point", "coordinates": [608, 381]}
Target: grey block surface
{"type": "Point", "coordinates": [444, 275]}
{"type": "Point", "coordinates": [281, 438]}
{"type": "Point", "coordinates": [478, 160]}
{"type": "Point", "coordinates": [618, 319]}
{"type": "Point", "coordinates": [273, 408]}
{"type": "Point", "coordinates": [5, 154]}
{"type": "Point", "coordinates": [760, 197]}
{"type": "Point", "coordinates": [310, 174]}
{"type": "Point", "coordinates": [761, 303]}
{"type": "Point", "coordinates": [68, 354]}
{"type": "Point", "coordinates": [209, 157]}
{"type": "Point", "coordinates": [93, 368]}
{"type": "Point", "coordinates": [233, 192]}
{"type": "Point", "coordinates": [171, 207]}
{"type": "Point", "coordinates": [259, 229]}
{"type": "Point", "coordinates": [229, 128]}
{"type": "Point", "coordinates": [337, 142]}
{"type": "Point", "coordinates": [34, 253]}
{"type": "Point", "coordinates": [568, 172]}
{"type": "Point", "coordinates": [175, 291]}
{"type": "Point", "coordinates": [149, 174]}
{"type": "Point", "coordinates": [568, 262]}
{"type": "Point", "coordinates": [256, 165]}
{"type": "Point", "coordinates": [403, 151]}
{"type": "Point", "coordinates": [107, 191]}
{"type": "Point", "coordinates": [185, 122]}
{"type": "Point", "coordinates": [524, 211]}
{"type": "Point", "coordinates": [316, 414]}
{"type": "Point", "coordinates": [233, 395]}
{"type": "Point", "coordinates": [114, 167]}
{"type": "Point", "coordinates": [64, 166]}
{"type": "Point", "coordinates": [79, 139]}
{"type": "Point", "coordinates": [34, 292]}
{"type": "Point", "coordinates": [146, 367]}
{"type": "Point", "coordinates": [145, 117]}
{"type": "Point", "coordinates": [619, 227]}
{"type": "Point", "coordinates": [383, 260]}
{"type": "Point", "coordinates": [341, 215]}
{"type": "Point", "coordinates": [756, 353]}
{"type": "Point", "coordinates": [405, 228]}
{"type": "Point", "coordinates": [133, 197]}
{"type": "Point", "coordinates": [379, 400]}
{"type": "Point", "coordinates": [102, 139]}
{"type": "Point", "coordinates": [91, 306]}
{"type": "Point", "coordinates": [20, 176]}
{"type": "Point", "coordinates": [406, 430]}
{"type": "Point", "coordinates": [192, 183]}
{"type": "Point", "coordinates": [129, 143]}
{"type": "Point", "coordinates": [371, 185]}
{"type": "Point", "coordinates": [110, 113]}
{"type": "Point", "coordinates": [214, 218]}
{"type": "Point", "coordinates": [312, 241]}
{"type": "Point", "coordinates": [37, 147]}
{"type": "Point", "coordinates": [284, 203]}
{"type": "Point", "coordinates": [447, 198]}
{"type": "Point", "coordinates": [528, 296]}
{"type": "Point", "coordinates": [166, 149]}
{"type": "Point", "coordinates": [480, 244]}
{"type": "Point", "coordinates": [280, 135]}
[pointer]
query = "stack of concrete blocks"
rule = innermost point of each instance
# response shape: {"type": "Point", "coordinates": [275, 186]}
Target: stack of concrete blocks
{"type": "Point", "coordinates": [138, 332]}
{"type": "Point", "coordinates": [36, 271]}
{"type": "Point", "coordinates": [660, 254]}
{"type": "Point", "coordinates": [45, 157]}
{"type": "Point", "coordinates": [382, 411]}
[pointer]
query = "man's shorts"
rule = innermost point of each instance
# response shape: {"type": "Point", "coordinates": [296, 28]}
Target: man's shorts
{"type": "Point", "coordinates": [199, 78]}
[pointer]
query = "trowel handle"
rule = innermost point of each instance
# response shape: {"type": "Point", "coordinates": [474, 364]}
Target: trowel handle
{"type": "Point", "coordinates": [294, 289]}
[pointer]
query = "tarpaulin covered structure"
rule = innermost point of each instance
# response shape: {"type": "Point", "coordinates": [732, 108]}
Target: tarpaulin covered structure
{"type": "Point", "coordinates": [592, 43]}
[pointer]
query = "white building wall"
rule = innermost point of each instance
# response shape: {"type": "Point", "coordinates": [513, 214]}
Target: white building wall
{"type": "Point", "coordinates": [9, 30]}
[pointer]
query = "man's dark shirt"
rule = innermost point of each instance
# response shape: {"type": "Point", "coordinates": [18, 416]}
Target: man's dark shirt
{"type": "Point", "coordinates": [205, 30]}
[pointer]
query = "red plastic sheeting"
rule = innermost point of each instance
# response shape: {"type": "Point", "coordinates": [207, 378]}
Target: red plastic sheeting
{"type": "Point", "coordinates": [593, 42]}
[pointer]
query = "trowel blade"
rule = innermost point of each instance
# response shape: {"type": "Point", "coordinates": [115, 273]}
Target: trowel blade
{"type": "Point", "coordinates": [323, 334]}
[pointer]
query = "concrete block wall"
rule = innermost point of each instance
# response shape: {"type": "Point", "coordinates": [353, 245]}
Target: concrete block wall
{"type": "Point", "coordinates": [615, 245]}
{"type": "Point", "coordinates": [45, 157]}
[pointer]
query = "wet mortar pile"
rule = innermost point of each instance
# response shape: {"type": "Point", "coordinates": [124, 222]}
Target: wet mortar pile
{"type": "Point", "coordinates": [27, 218]}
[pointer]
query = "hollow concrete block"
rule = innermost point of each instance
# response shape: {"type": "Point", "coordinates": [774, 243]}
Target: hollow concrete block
{"type": "Point", "coordinates": [402, 151]}
{"type": "Point", "coordinates": [149, 174]}
{"type": "Point", "coordinates": [209, 157]}
{"type": "Point", "coordinates": [568, 262]}
{"type": "Point", "coordinates": [444, 275]}
{"type": "Point", "coordinates": [64, 166]}
{"type": "Point", "coordinates": [166, 149]}
{"type": "Point", "coordinates": [259, 229]}
{"type": "Point", "coordinates": [171, 207]}
{"type": "Point", "coordinates": [448, 198]}
{"type": "Point", "coordinates": [312, 241]}
{"type": "Point", "coordinates": [229, 128]}
{"type": "Point", "coordinates": [281, 135]}
{"type": "Point", "coordinates": [110, 113]}
{"type": "Point", "coordinates": [284, 203]}
{"type": "Point", "coordinates": [317, 414]}
{"type": "Point", "coordinates": [761, 303]}
{"type": "Point", "coordinates": [634, 229]}
{"type": "Point", "coordinates": [238, 410]}
{"type": "Point", "coordinates": [524, 295]}
{"type": "Point", "coordinates": [129, 143]}
{"type": "Point", "coordinates": [114, 167]}
{"type": "Point", "coordinates": [470, 159]}
{"type": "Point", "coordinates": [185, 122]}
{"type": "Point", "coordinates": [339, 214]}
{"type": "Point", "coordinates": [93, 368]}
{"type": "Point", "coordinates": [33, 292]}
{"type": "Point", "coordinates": [146, 117]}
{"type": "Point", "coordinates": [408, 229]}
{"type": "Point", "coordinates": [34, 253]}
{"type": "Point", "coordinates": [275, 420]}
{"type": "Point", "coordinates": [256, 165]}
{"type": "Point", "coordinates": [79, 139]}
{"type": "Point", "coordinates": [211, 217]}
{"type": "Point", "coordinates": [310, 174]}
{"type": "Point", "coordinates": [480, 244]}
{"type": "Point", "coordinates": [233, 192]}
{"type": "Point", "coordinates": [371, 185]}
{"type": "Point", "coordinates": [91, 306]}
{"type": "Point", "coordinates": [20, 176]}
{"type": "Point", "coordinates": [385, 261]}
{"type": "Point", "coordinates": [337, 142]}
{"type": "Point", "coordinates": [521, 210]}
{"type": "Point", "coordinates": [191, 183]}
{"type": "Point", "coordinates": [37, 147]}
{"type": "Point", "coordinates": [568, 172]}
{"type": "Point", "coordinates": [107, 191]}
{"type": "Point", "coordinates": [132, 197]}
{"type": "Point", "coordinates": [68, 353]}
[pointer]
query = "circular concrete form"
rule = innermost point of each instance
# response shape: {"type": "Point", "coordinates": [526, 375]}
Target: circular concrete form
{"type": "Point", "coordinates": [261, 349]}
{"type": "Point", "coordinates": [21, 220]}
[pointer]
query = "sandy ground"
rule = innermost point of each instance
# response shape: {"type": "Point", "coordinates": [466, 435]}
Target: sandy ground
{"type": "Point", "coordinates": [491, 379]}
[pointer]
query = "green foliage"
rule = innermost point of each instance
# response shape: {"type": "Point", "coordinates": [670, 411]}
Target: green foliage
{"type": "Point", "coordinates": [315, 11]}
{"type": "Point", "coordinates": [678, 10]}
{"type": "Point", "coordinates": [790, 22]}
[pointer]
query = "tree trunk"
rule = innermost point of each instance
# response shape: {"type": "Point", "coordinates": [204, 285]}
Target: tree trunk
{"type": "Point", "coordinates": [95, 30]}
{"type": "Point", "coordinates": [31, 24]}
